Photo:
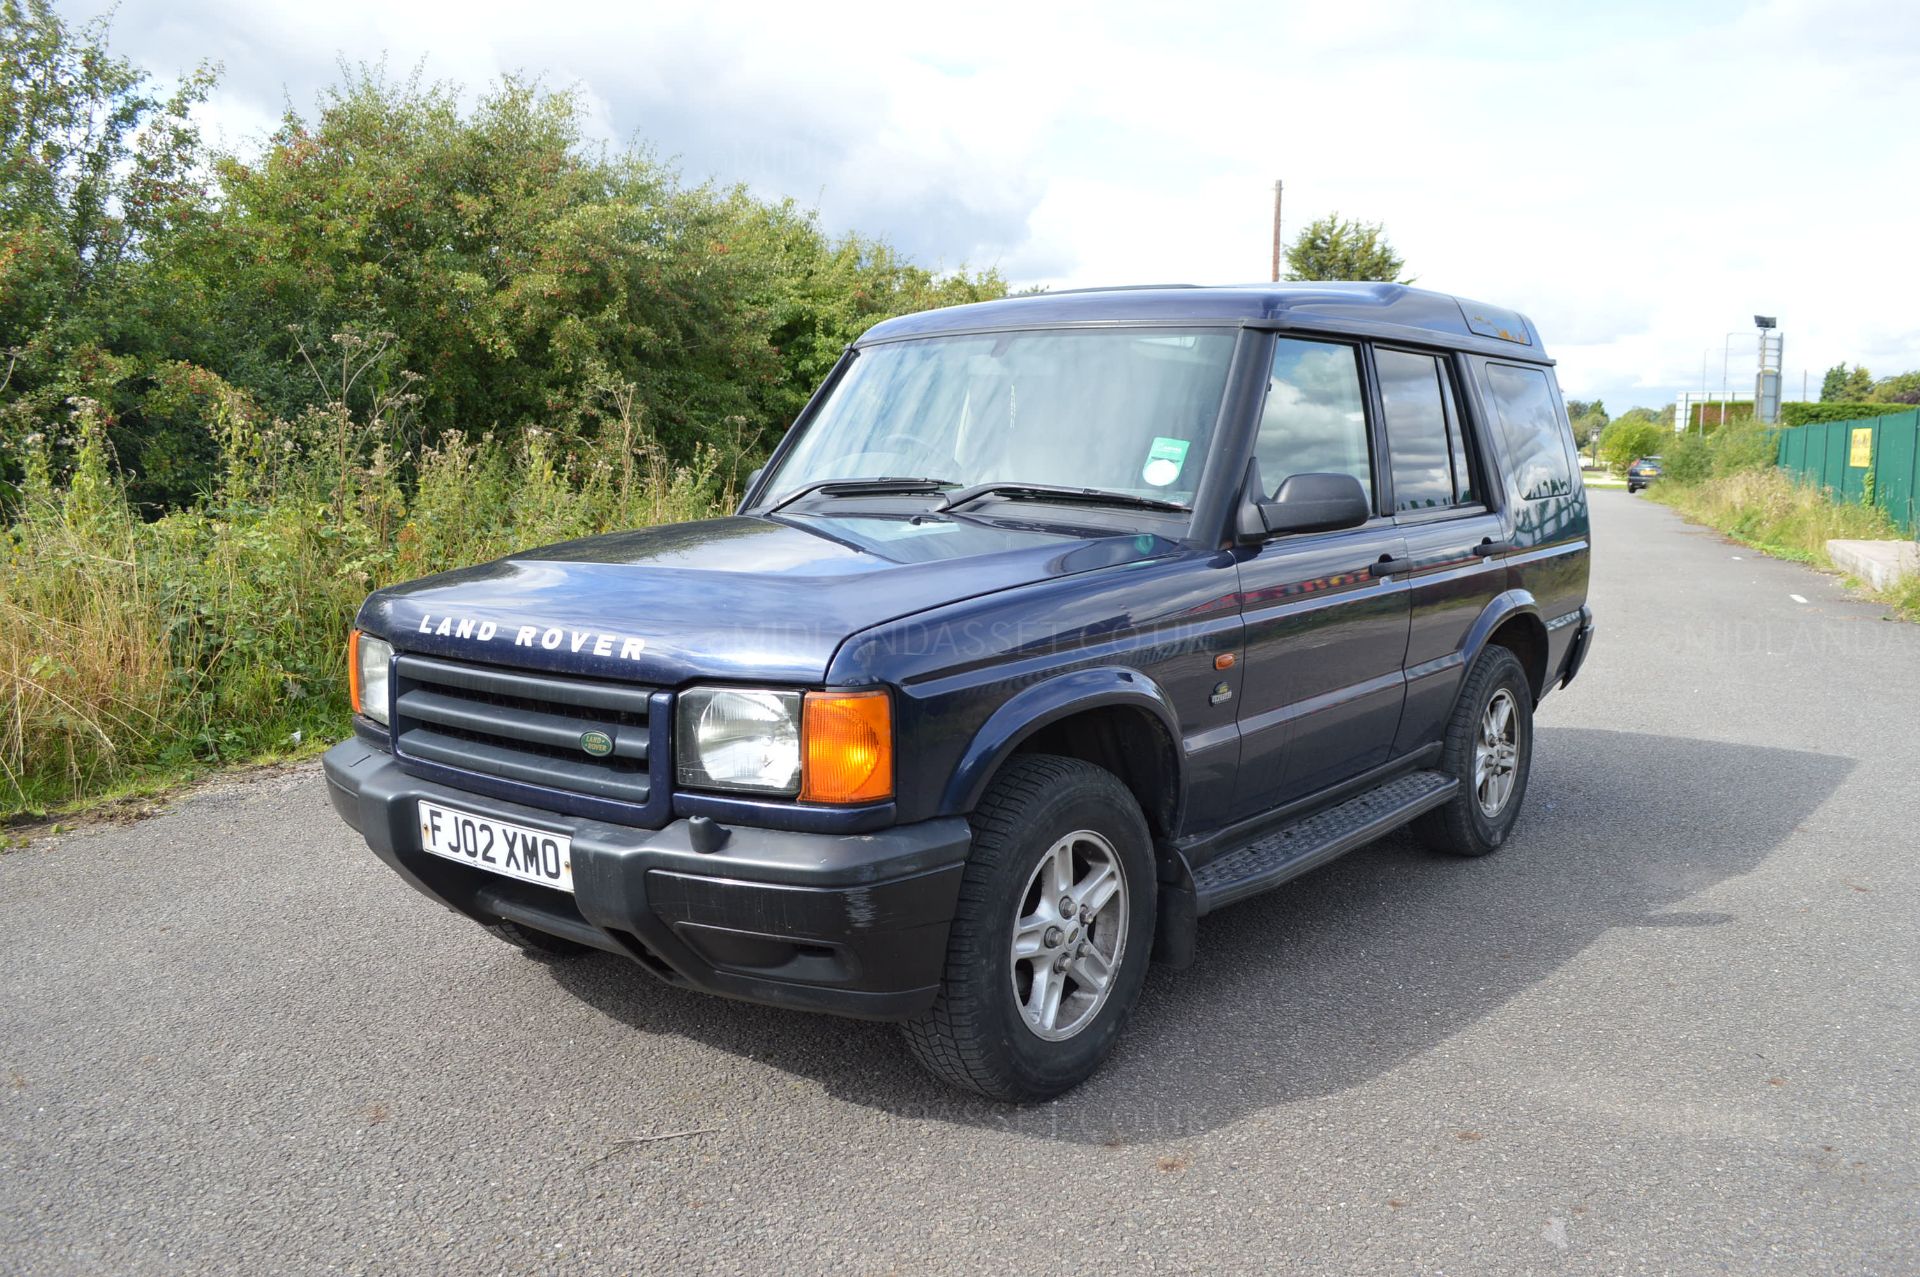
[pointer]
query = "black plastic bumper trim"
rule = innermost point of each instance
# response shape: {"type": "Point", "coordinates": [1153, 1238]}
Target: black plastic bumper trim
{"type": "Point", "coordinates": [1578, 649]}
{"type": "Point", "coordinates": [854, 924]}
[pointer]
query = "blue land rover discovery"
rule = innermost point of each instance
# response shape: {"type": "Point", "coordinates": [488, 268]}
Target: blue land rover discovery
{"type": "Point", "coordinates": [1052, 625]}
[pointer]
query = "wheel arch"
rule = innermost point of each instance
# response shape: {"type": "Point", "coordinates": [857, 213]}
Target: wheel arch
{"type": "Point", "coordinates": [1115, 718]}
{"type": "Point", "coordinates": [1512, 620]}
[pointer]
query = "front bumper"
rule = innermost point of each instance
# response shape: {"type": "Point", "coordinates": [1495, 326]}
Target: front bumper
{"type": "Point", "coordinates": [854, 924]}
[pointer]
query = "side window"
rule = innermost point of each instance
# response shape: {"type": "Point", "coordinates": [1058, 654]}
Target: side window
{"type": "Point", "coordinates": [1315, 420]}
{"type": "Point", "coordinates": [1417, 430]}
{"type": "Point", "coordinates": [1530, 423]}
{"type": "Point", "coordinates": [1465, 455]}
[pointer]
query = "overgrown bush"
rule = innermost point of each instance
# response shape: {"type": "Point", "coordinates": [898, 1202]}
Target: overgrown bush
{"type": "Point", "coordinates": [1689, 459]}
{"type": "Point", "coordinates": [1696, 458]}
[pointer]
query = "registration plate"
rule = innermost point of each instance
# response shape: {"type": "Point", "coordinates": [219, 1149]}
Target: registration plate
{"type": "Point", "coordinates": [531, 855]}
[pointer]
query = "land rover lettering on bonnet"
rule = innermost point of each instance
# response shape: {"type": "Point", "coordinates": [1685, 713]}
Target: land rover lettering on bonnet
{"type": "Point", "coordinates": [549, 637]}
{"type": "Point", "coordinates": [1052, 625]}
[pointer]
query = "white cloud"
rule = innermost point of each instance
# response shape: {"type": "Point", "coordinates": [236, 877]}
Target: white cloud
{"type": "Point", "coordinates": [1639, 177]}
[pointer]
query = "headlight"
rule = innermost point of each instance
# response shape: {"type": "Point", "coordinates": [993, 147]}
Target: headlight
{"type": "Point", "coordinates": [739, 738]}
{"type": "Point", "coordinates": [368, 662]}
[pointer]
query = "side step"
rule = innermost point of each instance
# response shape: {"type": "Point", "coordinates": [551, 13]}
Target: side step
{"type": "Point", "coordinates": [1291, 850]}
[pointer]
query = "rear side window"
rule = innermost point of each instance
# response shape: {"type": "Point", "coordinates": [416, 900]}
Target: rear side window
{"type": "Point", "coordinates": [1315, 420]}
{"type": "Point", "coordinates": [1431, 466]}
{"type": "Point", "coordinates": [1416, 430]}
{"type": "Point", "coordinates": [1530, 423]}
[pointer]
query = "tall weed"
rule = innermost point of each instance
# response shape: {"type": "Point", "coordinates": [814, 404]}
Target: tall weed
{"type": "Point", "coordinates": [1767, 510]}
{"type": "Point", "coordinates": [129, 648]}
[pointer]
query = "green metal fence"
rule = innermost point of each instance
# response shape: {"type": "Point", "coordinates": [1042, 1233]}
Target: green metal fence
{"type": "Point", "coordinates": [1877, 455]}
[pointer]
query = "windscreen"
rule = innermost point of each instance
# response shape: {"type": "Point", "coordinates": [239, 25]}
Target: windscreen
{"type": "Point", "coordinates": [1119, 409]}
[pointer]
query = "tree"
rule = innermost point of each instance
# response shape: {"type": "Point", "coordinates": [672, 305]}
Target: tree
{"type": "Point", "coordinates": [523, 270]}
{"type": "Point", "coordinates": [1858, 387]}
{"type": "Point", "coordinates": [1833, 386]}
{"type": "Point", "coordinates": [99, 173]}
{"type": "Point", "coordinates": [818, 294]}
{"type": "Point", "coordinates": [1587, 428]}
{"type": "Point", "coordinates": [1630, 437]}
{"type": "Point", "coordinates": [92, 162]}
{"type": "Point", "coordinates": [1588, 419]}
{"type": "Point", "coordinates": [1901, 389]}
{"type": "Point", "coordinates": [1335, 248]}
{"type": "Point", "coordinates": [519, 273]}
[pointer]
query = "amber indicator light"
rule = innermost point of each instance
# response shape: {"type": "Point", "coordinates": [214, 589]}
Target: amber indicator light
{"type": "Point", "coordinates": [846, 747]}
{"type": "Point", "coordinates": [353, 670]}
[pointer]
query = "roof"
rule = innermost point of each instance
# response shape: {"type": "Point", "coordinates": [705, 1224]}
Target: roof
{"type": "Point", "coordinates": [1378, 310]}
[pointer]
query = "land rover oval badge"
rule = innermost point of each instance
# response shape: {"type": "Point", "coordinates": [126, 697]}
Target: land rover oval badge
{"type": "Point", "coordinates": [599, 744]}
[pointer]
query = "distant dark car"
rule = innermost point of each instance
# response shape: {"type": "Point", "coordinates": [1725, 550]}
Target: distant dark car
{"type": "Point", "coordinates": [1642, 473]}
{"type": "Point", "coordinates": [1054, 624]}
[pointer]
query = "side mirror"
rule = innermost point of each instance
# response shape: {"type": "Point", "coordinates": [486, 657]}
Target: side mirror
{"type": "Point", "coordinates": [1304, 503]}
{"type": "Point", "coordinates": [746, 491]}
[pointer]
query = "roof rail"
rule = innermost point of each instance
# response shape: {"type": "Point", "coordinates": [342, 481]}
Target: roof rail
{"type": "Point", "coordinates": [1111, 288]}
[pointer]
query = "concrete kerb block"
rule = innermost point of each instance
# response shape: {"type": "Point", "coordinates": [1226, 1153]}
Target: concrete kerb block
{"type": "Point", "coordinates": [1880, 563]}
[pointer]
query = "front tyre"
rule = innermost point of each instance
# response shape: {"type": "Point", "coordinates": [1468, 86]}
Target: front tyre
{"type": "Point", "coordinates": [1051, 935]}
{"type": "Point", "coordinates": [1489, 749]}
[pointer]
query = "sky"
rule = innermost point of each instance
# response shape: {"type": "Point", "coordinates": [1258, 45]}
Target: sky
{"type": "Point", "coordinates": [1639, 178]}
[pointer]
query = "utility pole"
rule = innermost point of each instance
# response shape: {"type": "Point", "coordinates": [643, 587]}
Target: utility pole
{"type": "Point", "coordinates": [1276, 230]}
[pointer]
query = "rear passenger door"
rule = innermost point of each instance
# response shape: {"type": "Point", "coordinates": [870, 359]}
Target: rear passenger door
{"type": "Point", "coordinates": [1455, 534]}
{"type": "Point", "coordinates": [1325, 637]}
{"type": "Point", "coordinates": [1549, 528]}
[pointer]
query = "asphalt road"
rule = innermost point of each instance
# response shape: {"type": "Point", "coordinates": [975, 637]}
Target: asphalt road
{"type": "Point", "coordinates": [1671, 1027]}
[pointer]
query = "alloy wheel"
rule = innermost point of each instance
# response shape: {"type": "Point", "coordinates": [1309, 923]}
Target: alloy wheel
{"type": "Point", "coordinates": [1496, 754]}
{"type": "Point", "coordinates": [1069, 932]}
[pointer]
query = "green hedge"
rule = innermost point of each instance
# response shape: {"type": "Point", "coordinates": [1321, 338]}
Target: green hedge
{"type": "Point", "coordinates": [1806, 414]}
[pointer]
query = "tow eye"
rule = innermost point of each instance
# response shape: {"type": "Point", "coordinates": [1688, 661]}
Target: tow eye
{"type": "Point", "coordinates": [706, 835]}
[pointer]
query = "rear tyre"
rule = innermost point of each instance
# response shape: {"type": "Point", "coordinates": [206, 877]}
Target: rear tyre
{"type": "Point", "coordinates": [1489, 749]}
{"type": "Point", "coordinates": [1050, 937]}
{"type": "Point", "coordinates": [537, 944]}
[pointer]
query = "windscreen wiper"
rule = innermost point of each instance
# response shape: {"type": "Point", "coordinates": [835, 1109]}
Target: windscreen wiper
{"type": "Point", "coordinates": [1055, 492]}
{"type": "Point", "coordinates": [880, 485]}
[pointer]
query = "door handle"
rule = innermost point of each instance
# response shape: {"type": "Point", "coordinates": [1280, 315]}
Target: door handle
{"type": "Point", "coordinates": [1490, 547]}
{"type": "Point", "coordinates": [1387, 565]}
